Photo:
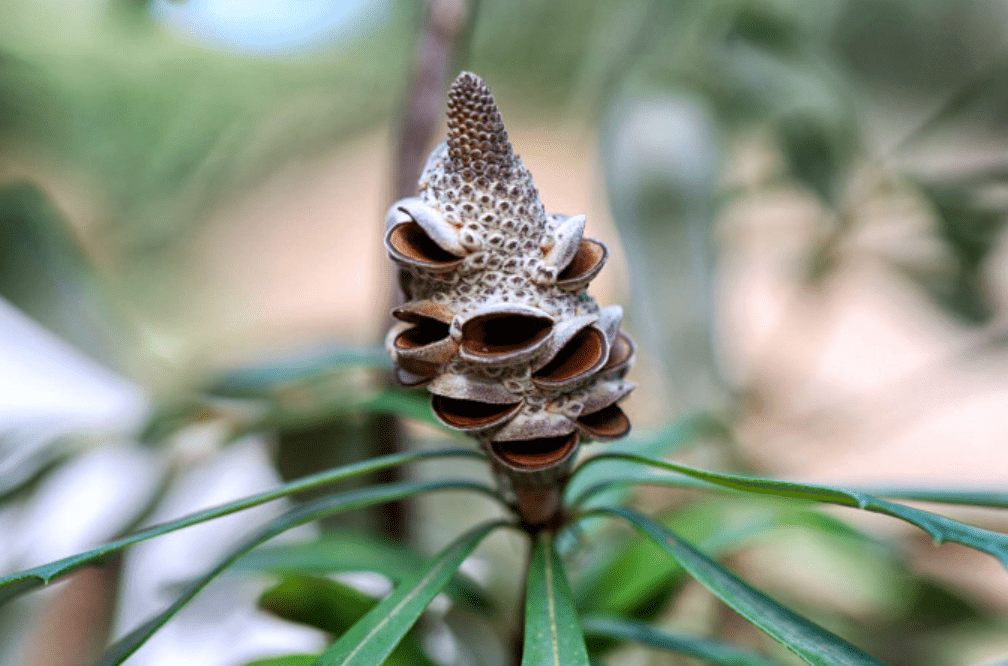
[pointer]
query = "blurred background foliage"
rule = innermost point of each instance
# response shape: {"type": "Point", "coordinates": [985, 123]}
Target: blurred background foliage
{"type": "Point", "coordinates": [129, 130]}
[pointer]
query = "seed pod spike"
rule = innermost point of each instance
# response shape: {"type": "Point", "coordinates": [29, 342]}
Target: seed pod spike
{"type": "Point", "coordinates": [477, 140]}
{"type": "Point", "coordinates": [498, 324]}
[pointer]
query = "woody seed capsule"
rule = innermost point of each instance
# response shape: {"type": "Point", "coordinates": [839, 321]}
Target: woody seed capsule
{"type": "Point", "coordinates": [498, 324]}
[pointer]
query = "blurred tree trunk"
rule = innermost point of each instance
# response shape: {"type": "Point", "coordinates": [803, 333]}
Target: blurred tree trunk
{"type": "Point", "coordinates": [441, 49]}
{"type": "Point", "coordinates": [74, 626]}
{"type": "Point", "coordinates": [441, 43]}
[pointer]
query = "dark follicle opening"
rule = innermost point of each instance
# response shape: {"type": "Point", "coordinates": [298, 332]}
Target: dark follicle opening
{"type": "Point", "coordinates": [532, 453]}
{"type": "Point", "coordinates": [467, 414]}
{"type": "Point", "coordinates": [608, 423]}
{"type": "Point", "coordinates": [589, 254]}
{"type": "Point", "coordinates": [582, 353]}
{"type": "Point", "coordinates": [621, 351]}
{"type": "Point", "coordinates": [496, 334]}
{"type": "Point", "coordinates": [406, 280]}
{"type": "Point", "coordinates": [412, 242]}
{"type": "Point", "coordinates": [426, 331]}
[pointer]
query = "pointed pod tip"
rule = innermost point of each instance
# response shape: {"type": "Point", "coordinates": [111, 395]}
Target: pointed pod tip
{"type": "Point", "coordinates": [605, 425]}
{"type": "Point", "coordinates": [478, 145]}
{"type": "Point", "coordinates": [467, 79]}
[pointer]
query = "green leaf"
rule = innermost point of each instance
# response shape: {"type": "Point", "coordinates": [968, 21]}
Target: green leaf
{"type": "Point", "coordinates": [335, 552]}
{"type": "Point", "coordinates": [401, 402]}
{"type": "Point", "coordinates": [347, 551]}
{"type": "Point", "coordinates": [685, 432]}
{"type": "Point", "coordinates": [817, 151]}
{"type": "Point", "coordinates": [325, 506]}
{"type": "Point", "coordinates": [174, 414]}
{"type": "Point", "coordinates": [317, 602]}
{"type": "Point", "coordinates": [165, 145]}
{"type": "Point", "coordinates": [978, 498]}
{"type": "Point", "coordinates": [262, 380]}
{"type": "Point", "coordinates": [24, 581]}
{"type": "Point", "coordinates": [991, 499]}
{"type": "Point", "coordinates": [989, 84]}
{"type": "Point", "coordinates": [598, 492]}
{"type": "Point", "coordinates": [287, 660]}
{"type": "Point", "coordinates": [768, 28]}
{"type": "Point", "coordinates": [970, 223]}
{"type": "Point", "coordinates": [26, 466]}
{"type": "Point", "coordinates": [701, 648]}
{"type": "Point", "coordinates": [637, 579]}
{"type": "Point", "coordinates": [333, 607]}
{"type": "Point", "coordinates": [806, 639]}
{"type": "Point", "coordinates": [940, 528]}
{"type": "Point", "coordinates": [371, 639]}
{"type": "Point", "coordinates": [331, 395]}
{"type": "Point", "coordinates": [45, 273]}
{"type": "Point", "coordinates": [552, 633]}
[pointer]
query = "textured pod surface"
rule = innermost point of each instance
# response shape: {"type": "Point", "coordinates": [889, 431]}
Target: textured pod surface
{"type": "Point", "coordinates": [498, 323]}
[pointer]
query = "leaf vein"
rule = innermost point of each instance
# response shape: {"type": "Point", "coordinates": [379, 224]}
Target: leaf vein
{"type": "Point", "coordinates": [550, 601]}
{"type": "Point", "coordinates": [395, 611]}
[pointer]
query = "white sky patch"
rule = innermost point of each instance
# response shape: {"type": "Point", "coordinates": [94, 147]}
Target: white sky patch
{"type": "Point", "coordinates": [43, 379]}
{"type": "Point", "coordinates": [221, 626]}
{"type": "Point", "coordinates": [270, 26]}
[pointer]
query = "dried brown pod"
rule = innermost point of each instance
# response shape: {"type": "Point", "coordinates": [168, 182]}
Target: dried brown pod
{"type": "Point", "coordinates": [620, 357]}
{"type": "Point", "coordinates": [605, 424]}
{"type": "Point", "coordinates": [498, 324]}
{"type": "Point", "coordinates": [589, 259]}
{"type": "Point", "coordinates": [421, 343]}
{"type": "Point", "coordinates": [578, 359]}
{"type": "Point", "coordinates": [505, 333]}
{"type": "Point", "coordinates": [416, 235]}
{"type": "Point", "coordinates": [536, 454]}
{"type": "Point", "coordinates": [471, 414]}
{"type": "Point", "coordinates": [565, 242]}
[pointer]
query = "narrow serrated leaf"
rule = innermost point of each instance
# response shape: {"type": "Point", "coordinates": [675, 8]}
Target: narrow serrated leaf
{"type": "Point", "coordinates": [24, 581]}
{"type": "Point", "coordinates": [597, 493]}
{"type": "Point", "coordinates": [320, 508]}
{"type": "Point", "coordinates": [982, 498]}
{"type": "Point", "coordinates": [685, 432]}
{"type": "Point", "coordinates": [552, 632]}
{"type": "Point", "coordinates": [711, 651]}
{"type": "Point", "coordinates": [633, 581]}
{"type": "Point", "coordinates": [374, 637]}
{"type": "Point", "coordinates": [334, 608]}
{"type": "Point", "coordinates": [938, 527]}
{"type": "Point", "coordinates": [806, 639]}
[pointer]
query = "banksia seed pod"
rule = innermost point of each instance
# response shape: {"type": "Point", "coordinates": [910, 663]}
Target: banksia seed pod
{"type": "Point", "coordinates": [497, 323]}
